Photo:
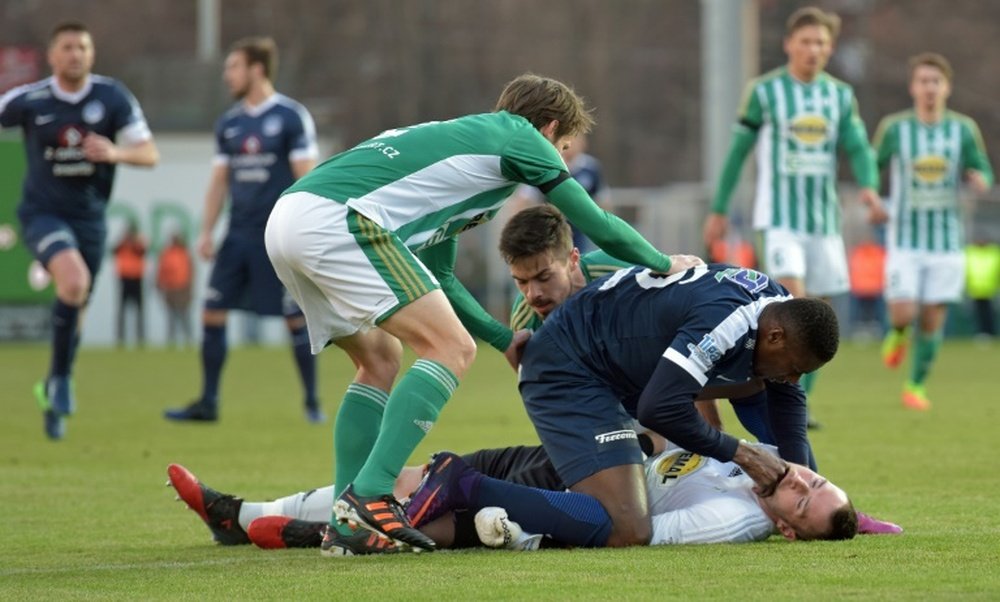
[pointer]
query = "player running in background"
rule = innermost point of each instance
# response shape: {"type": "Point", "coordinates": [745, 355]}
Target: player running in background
{"type": "Point", "coordinates": [801, 116]}
{"type": "Point", "coordinates": [929, 151]}
{"type": "Point", "coordinates": [77, 127]}
{"type": "Point", "coordinates": [390, 211]}
{"type": "Point", "coordinates": [263, 144]}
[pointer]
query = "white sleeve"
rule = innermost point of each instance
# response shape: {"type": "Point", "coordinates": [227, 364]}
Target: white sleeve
{"type": "Point", "coordinates": [720, 520]}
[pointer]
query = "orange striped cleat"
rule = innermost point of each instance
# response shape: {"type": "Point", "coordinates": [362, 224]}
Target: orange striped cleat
{"type": "Point", "coordinates": [380, 514]}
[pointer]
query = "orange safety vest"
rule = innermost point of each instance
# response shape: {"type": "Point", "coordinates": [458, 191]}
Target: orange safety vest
{"type": "Point", "coordinates": [129, 259]}
{"type": "Point", "coordinates": [175, 269]}
{"type": "Point", "coordinates": [867, 269]}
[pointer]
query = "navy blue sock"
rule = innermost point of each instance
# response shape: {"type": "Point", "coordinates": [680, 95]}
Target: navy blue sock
{"type": "Point", "coordinates": [752, 413]}
{"type": "Point", "coordinates": [571, 518]}
{"type": "Point", "coordinates": [213, 356]}
{"type": "Point", "coordinates": [64, 324]}
{"type": "Point", "coordinates": [306, 363]}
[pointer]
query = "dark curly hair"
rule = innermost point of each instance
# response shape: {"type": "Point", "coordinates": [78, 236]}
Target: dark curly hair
{"type": "Point", "coordinates": [812, 323]}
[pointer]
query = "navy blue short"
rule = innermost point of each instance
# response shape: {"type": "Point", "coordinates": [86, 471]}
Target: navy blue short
{"type": "Point", "coordinates": [580, 420]}
{"type": "Point", "coordinates": [243, 278]}
{"type": "Point", "coordinates": [46, 234]}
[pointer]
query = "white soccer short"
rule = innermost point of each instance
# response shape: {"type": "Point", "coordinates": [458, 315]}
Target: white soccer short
{"type": "Point", "coordinates": [924, 276]}
{"type": "Point", "coordinates": [323, 263]}
{"type": "Point", "coordinates": [818, 260]}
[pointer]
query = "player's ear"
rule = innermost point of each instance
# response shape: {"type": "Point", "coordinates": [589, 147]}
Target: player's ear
{"type": "Point", "coordinates": [786, 530]}
{"type": "Point", "coordinates": [549, 130]}
{"type": "Point", "coordinates": [574, 256]}
{"type": "Point", "coordinates": [775, 335]}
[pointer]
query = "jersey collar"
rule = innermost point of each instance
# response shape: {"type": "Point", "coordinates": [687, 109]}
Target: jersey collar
{"type": "Point", "coordinates": [262, 107]}
{"type": "Point", "coordinates": [70, 97]}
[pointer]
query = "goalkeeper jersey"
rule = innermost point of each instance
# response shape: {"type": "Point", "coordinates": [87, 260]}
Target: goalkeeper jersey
{"type": "Point", "coordinates": [927, 162]}
{"type": "Point", "coordinates": [798, 128]}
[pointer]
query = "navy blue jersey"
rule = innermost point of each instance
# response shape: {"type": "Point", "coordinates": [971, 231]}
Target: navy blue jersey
{"type": "Point", "coordinates": [704, 320]}
{"type": "Point", "coordinates": [258, 145]}
{"type": "Point", "coordinates": [60, 181]}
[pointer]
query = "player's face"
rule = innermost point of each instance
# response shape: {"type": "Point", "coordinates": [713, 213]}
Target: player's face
{"type": "Point", "coordinates": [929, 87]}
{"type": "Point", "coordinates": [777, 358]}
{"type": "Point", "coordinates": [545, 280]}
{"type": "Point", "coordinates": [803, 504]}
{"type": "Point", "coordinates": [236, 74]}
{"type": "Point", "coordinates": [808, 49]}
{"type": "Point", "coordinates": [71, 55]}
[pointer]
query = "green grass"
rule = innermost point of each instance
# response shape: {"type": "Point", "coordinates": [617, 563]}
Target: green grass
{"type": "Point", "coordinates": [89, 517]}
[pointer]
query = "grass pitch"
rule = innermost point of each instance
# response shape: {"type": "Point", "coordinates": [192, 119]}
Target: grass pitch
{"type": "Point", "coordinates": [89, 517]}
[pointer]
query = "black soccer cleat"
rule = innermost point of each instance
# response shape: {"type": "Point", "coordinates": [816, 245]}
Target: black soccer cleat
{"type": "Point", "coordinates": [360, 543]}
{"type": "Point", "coordinates": [220, 511]}
{"type": "Point", "coordinates": [197, 411]}
{"type": "Point", "coordinates": [279, 532]}
{"type": "Point", "coordinates": [380, 514]}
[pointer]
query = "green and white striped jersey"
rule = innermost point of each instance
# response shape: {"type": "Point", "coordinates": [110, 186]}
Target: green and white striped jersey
{"type": "Point", "coordinates": [430, 181]}
{"type": "Point", "coordinates": [593, 265]}
{"type": "Point", "coordinates": [799, 127]}
{"type": "Point", "coordinates": [927, 162]}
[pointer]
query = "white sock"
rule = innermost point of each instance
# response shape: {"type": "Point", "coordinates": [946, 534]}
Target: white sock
{"type": "Point", "coordinates": [313, 505]}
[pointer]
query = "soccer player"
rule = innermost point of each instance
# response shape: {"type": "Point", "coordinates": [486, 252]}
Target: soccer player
{"type": "Point", "coordinates": [929, 150]}
{"type": "Point", "coordinates": [658, 340]}
{"type": "Point", "coordinates": [366, 243]}
{"type": "Point", "coordinates": [693, 499]}
{"type": "Point", "coordinates": [77, 127]}
{"type": "Point", "coordinates": [801, 116]}
{"type": "Point", "coordinates": [263, 144]}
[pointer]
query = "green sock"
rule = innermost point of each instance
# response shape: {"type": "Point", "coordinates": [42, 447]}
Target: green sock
{"type": "Point", "coordinates": [923, 356]}
{"type": "Point", "coordinates": [354, 433]}
{"type": "Point", "coordinates": [410, 412]}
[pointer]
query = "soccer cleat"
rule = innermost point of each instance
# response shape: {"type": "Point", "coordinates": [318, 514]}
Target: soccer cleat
{"type": "Point", "coordinates": [496, 530]}
{"type": "Point", "coordinates": [52, 421]}
{"type": "Point", "coordinates": [359, 543]}
{"type": "Point", "coordinates": [197, 411]}
{"type": "Point", "coordinates": [869, 525]}
{"type": "Point", "coordinates": [278, 532]}
{"type": "Point", "coordinates": [894, 347]}
{"type": "Point", "coordinates": [314, 415]}
{"type": "Point", "coordinates": [380, 514]}
{"type": "Point", "coordinates": [220, 511]}
{"type": "Point", "coordinates": [915, 397]}
{"type": "Point", "coordinates": [439, 492]}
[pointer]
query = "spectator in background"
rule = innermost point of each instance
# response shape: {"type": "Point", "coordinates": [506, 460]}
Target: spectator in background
{"type": "Point", "coordinates": [130, 265]}
{"type": "Point", "coordinates": [866, 266]}
{"type": "Point", "coordinates": [173, 280]}
{"type": "Point", "coordinates": [583, 168]}
{"type": "Point", "coordinates": [982, 278]}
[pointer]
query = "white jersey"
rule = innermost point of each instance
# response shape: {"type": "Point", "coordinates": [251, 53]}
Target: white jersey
{"type": "Point", "coordinates": [696, 499]}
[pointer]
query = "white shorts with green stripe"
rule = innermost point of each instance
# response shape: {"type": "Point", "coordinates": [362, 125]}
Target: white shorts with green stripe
{"type": "Point", "coordinates": [345, 272]}
{"type": "Point", "coordinates": [819, 260]}
{"type": "Point", "coordinates": [928, 277]}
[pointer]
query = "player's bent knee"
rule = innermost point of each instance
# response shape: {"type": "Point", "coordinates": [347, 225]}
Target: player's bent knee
{"type": "Point", "coordinates": [630, 533]}
{"type": "Point", "coordinates": [73, 290]}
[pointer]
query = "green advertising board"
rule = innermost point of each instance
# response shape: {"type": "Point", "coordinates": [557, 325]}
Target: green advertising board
{"type": "Point", "coordinates": [15, 259]}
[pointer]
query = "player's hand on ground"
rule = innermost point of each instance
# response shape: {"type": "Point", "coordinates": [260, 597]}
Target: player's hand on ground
{"type": "Point", "coordinates": [516, 348]}
{"type": "Point", "coordinates": [682, 263]}
{"type": "Point", "coordinates": [99, 149]}
{"type": "Point", "coordinates": [205, 246]}
{"type": "Point", "coordinates": [762, 466]}
{"type": "Point", "coordinates": [714, 229]}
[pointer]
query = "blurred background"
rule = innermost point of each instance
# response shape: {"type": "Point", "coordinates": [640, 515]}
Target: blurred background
{"type": "Point", "coordinates": [665, 78]}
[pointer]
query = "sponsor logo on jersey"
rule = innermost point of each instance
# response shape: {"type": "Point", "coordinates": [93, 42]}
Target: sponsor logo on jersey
{"type": "Point", "coordinates": [809, 129]}
{"type": "Point", "coordinates": [43, 119]}
{"type": "Point", "coordinates": [93, 111]}
{"type": "Point", "coordinates": [930, 169]}
{"type": "Point", "coordinates": [611, 436]}
{"type": "Point", "coordinates": [706, 352]}
{"type": "Point", "coordinates": [676, 465]}
{"type": "Point", "coordinates": [251, 146]}
{"type": "Point", "coordinates": [272, 126]}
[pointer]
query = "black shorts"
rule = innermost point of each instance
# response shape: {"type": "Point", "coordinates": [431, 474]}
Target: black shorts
{"type": "Point", "coordinates": [521, 464]}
